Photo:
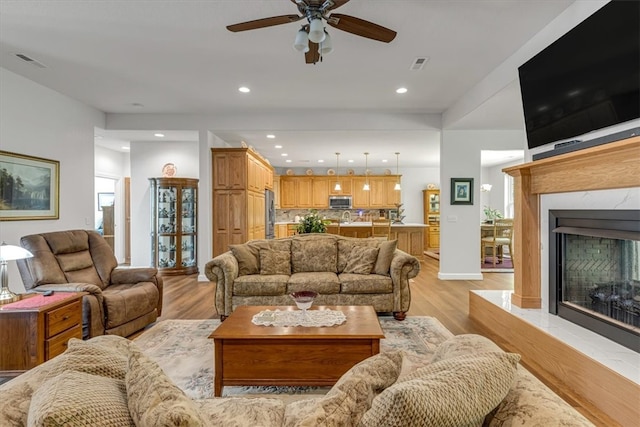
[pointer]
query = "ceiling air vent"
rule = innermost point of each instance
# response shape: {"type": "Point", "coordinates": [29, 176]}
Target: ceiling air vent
{"type": "Point", "coordinates": [418, 63]}
{"type": "Point", "coordinates": [31, 61]}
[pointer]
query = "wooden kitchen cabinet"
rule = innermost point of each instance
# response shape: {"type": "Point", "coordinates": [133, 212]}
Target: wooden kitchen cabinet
{"type": "Point", "coordinates": [381, 194]}
{"type": "Point", "coordinates": [240, 177]}
{"type": "Point", "coordinates": [346, 185]}
{"type": "Point", "coordinates": [360, 197]}
{"type": "Point", "coordinates": [304, 192]}
{"type": "Point", "coordinates": [320, 192]}
{"type": "Point", "coordinates": [431, 200]}
{"type": "Point", "coordinates": [31, 336]}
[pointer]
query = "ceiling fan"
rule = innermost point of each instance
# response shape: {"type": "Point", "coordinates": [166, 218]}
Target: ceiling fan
{"type": "Point", "coordinates": [312, 38]}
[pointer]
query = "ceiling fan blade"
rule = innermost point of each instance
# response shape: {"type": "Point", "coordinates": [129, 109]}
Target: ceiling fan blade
{"type": "Point", "coordinates": [313, 55]}
{"type": "Point", "coordinates": [360, 27]}
{"type": "Point", "coordinates": [264, 22]}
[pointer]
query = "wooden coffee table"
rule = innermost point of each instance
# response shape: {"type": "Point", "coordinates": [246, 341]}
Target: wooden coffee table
{"type": "Point", "coordinates": [248, 354]}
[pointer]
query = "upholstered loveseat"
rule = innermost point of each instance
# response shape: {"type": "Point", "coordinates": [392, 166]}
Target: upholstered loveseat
{"type": "Point", "coordinates": [342, 270]}
{"type": "Point", "coordinates": [109, 381]}
{"type": "Point", "coordinates": [119, 300]}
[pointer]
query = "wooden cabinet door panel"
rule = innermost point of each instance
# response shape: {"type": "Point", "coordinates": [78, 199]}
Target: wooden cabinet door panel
{"type": "Point", "coordinates": [304, 191]}
{"type": "Point", "coordinates": [320, 186]}
{"type": "Point", "coordinates": [361, 197]}
{"type": "Point", "coordinates": [287, 193]}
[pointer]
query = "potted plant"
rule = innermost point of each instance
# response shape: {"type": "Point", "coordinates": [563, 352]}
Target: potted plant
{"type": "Point", "coordinates": [490, 214]}
{"type": "Point", "coordinates": [312, 223]}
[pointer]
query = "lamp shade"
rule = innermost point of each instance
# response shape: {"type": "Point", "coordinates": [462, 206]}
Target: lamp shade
{"type": "Point", "coordinates": [301, 43]}
{"type": "Point", "coordinates": [316, 31]}
{"type": "Point", "coordinates": [326, 46]}
{"type": "Point", "coordinates": [11, 252]}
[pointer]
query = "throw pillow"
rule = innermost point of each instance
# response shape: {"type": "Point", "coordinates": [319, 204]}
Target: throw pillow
{"type": "Point", "coordinates": [80, 399]}
{"type": "Point", "coordinates": [153, 399]}
{"type": "Point", "coordinates": [248, 258]}
{"type": "Point", "coordinates": [385, 255]}
{"type": "Point", "coordinates": [462, 345]}
{"type": "Point", "coordinates": [346, 244]}
{"type": "Point", "coordinates": [94, 356]}
{"type": "Point", "coordinates": [314, 254]}
{"type": "Point", "coordinates": [459, 391]}
{"type": "Point", "coordinates": [350, 397]}
{"type": "Point", "coordinates": [275, 262]}
{"type": "Point", "coordinates": [362, 260]}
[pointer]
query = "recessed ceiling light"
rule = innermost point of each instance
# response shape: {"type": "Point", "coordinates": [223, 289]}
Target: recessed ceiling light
{"type": "Point", "coordinates": [350, 161]}
{"type": "Point", "coordinates": [124, 147]}
{"type": "Point", "coordinates": [278, 146]}
{"type": "Point", "coordinates": [159, 135]}
{"type": "Point", "coordinates": [284, 154]}
{"type": "Point", "coordinates": [244, 89]}
{"type": "Point", "coordinates": [384, 160]}
{"type": "Point", "coordinates": [288, 160]}
{"type": "Point", "coordinates": [320, 161]}
{"type": "Point", "coordinates": [401, 90]}
{"type": "Point", "coordinates": [271, 136]}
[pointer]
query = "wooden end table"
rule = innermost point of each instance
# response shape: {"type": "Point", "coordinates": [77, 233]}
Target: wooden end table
{"type": "Point", "coordinates": [31, 336]}
{"type": "Point", "coordinates": [248, 354]}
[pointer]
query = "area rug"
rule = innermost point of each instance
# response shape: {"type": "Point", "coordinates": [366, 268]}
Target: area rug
{"type": "Point", "coordinates": [184, 352]}
{"type": "Point", "coordinates": [506, 266]}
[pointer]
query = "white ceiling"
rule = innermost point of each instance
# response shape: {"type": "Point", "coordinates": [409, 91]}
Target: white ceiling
{"type": "Point", "coordinates": [176, 57]}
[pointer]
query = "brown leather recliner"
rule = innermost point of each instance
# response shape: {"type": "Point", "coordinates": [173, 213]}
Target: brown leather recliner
{"type": "Point", "coordinates": [121, 301]}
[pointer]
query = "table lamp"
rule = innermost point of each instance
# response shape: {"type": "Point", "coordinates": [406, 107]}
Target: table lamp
{"type": "Point", "coordinates": [8, 253]}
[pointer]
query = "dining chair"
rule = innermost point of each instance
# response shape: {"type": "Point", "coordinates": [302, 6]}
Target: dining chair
{"type": "Point", "coordinates": [381, 229]}
{"type": "Point", "coordinates": [502, 236]}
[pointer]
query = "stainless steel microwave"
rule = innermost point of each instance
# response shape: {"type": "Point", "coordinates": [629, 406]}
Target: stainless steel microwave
{"type": "Point", "coordinates": [340, 202]}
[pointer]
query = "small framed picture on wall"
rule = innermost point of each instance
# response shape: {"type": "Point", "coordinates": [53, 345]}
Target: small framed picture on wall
{"type": "Point", "coordinates": [462, 191]}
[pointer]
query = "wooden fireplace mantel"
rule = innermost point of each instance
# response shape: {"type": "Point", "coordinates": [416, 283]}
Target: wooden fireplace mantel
{"type": "Point", "coordinates": [609, 166]}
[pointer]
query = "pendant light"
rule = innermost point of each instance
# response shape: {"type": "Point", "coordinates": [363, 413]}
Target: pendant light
{"type": "Point", "coordinates": [337, 187]}
{"type": "Point", "coordinates": [397, 186]}
{"type": "Point", "coordinates": [365, 187]}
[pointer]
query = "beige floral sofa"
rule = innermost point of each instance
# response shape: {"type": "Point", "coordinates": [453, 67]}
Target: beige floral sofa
{"type": "Point", "coordinates": [109, 381]}
{"type": "Point", "coordinates": [343, 270]}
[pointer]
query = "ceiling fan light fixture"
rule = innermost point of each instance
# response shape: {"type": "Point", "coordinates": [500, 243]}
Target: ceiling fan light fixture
{"type": "Point", "coordinates": [316, 30]}
{"type": "Point", "coordinates": [326, 46]}
{"type": "Point", "coordinates": [301, 44]}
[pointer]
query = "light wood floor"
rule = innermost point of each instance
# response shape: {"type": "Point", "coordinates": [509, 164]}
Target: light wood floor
{"type": "Point", "coordinates": [446, 300]}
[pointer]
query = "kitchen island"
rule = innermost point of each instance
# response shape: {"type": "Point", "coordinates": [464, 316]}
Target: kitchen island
{"type": "Point", "coordinates": [410, 236]}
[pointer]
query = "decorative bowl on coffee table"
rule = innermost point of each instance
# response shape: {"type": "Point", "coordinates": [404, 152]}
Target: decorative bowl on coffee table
{"type": "Point", "coordinates": [304, 299]}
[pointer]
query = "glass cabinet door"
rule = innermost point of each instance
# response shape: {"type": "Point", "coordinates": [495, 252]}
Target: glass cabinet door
{"type": "Point", "coordinates": [173, 222]}
{"type": "Point", "coordinates": [434, 203]}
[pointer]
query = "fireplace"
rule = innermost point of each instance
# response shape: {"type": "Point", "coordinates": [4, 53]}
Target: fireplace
{"type": "Point", "coordinates": [594, 271]}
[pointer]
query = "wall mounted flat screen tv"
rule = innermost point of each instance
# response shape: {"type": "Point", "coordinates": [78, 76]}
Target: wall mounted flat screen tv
{"type": "Point", "coordinates": [586, 80]}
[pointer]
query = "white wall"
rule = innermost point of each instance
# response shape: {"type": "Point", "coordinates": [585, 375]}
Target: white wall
{"type": "Point", "coordinates": [38, 121]}
{"type": "Point", "coordinates": [147, 159]}
{"type": "Point", "coordinates": [460, 224]}
{"type": "Point", "coordinates": [114, 165]}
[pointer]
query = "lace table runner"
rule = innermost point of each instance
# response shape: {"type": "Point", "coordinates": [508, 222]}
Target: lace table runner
{"type": "Point", "coordinates": [311, 318]}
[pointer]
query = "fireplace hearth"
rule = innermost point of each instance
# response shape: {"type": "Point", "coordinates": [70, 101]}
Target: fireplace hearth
{"type": "Point", "coordinates": [594, 271]}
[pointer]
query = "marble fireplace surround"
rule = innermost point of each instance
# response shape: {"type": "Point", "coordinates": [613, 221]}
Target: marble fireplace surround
{"type": "Point", "coordinates": [601, 177]}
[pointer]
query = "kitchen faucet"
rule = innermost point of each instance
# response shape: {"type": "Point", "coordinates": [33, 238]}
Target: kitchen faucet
{"type": "Point", "coordinates": [346, 216]}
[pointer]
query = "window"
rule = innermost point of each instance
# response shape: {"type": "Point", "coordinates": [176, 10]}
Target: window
{"type": "Point", "coordinates": [509, 192]}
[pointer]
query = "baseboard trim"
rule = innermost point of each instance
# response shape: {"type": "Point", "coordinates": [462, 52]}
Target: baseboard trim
{"type": "Point", "coordinates": [460, 276]}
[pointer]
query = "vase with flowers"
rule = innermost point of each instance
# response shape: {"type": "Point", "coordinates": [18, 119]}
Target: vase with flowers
{"type": "Point", "coordinates": [491, 214]}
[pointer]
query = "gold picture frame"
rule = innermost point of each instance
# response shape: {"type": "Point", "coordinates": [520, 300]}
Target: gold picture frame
{"type": "Point", "coordinates": [29, 187]}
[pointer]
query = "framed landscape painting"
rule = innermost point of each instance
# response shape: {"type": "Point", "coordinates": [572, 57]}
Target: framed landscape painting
{"type": "Point", "coordinates": [29, 187]}
{"type": "Point", "coordinates": [461, 191]}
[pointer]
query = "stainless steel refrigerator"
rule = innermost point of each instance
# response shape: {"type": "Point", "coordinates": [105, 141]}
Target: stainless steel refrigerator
{"type": "Point", "coordinates": [270, 212]}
